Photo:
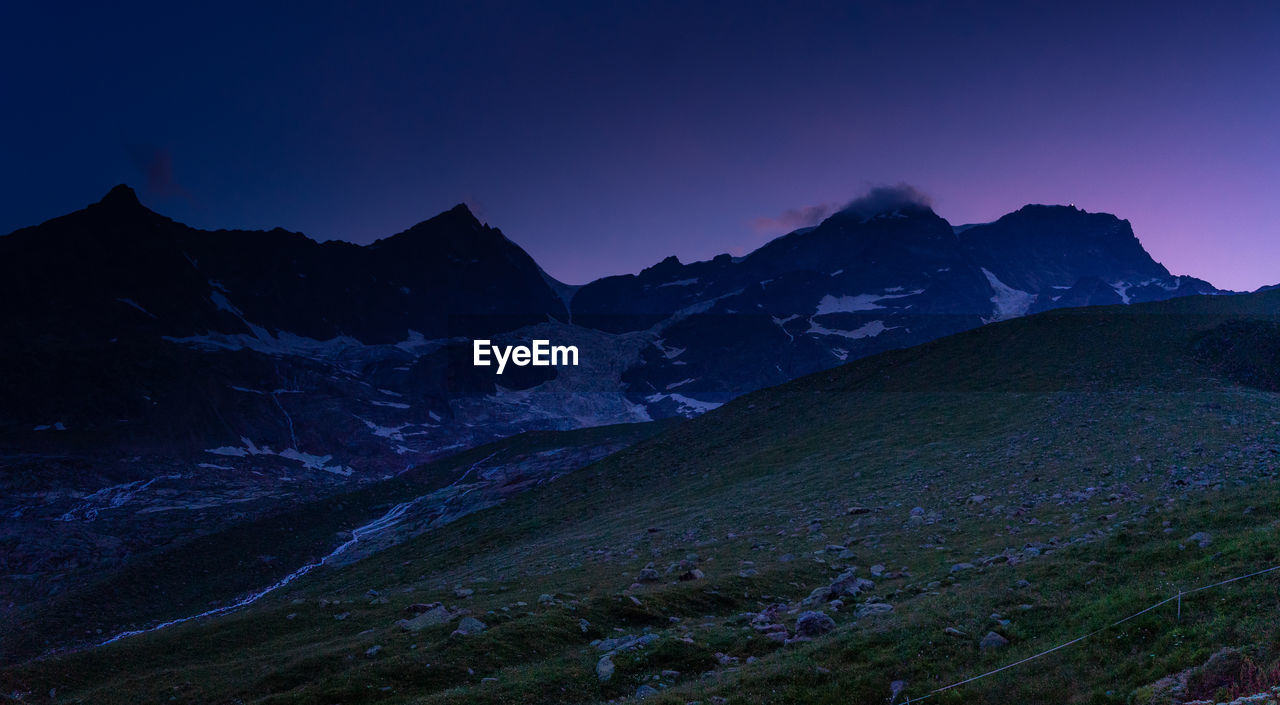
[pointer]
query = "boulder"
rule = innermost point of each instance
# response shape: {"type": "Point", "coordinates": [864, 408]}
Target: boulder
{"type": "Point", "coordinates": [435, 616]}
{"type": "Point", "coordinates": [811, 624]}
{"type": "Point", "coordinates": [470, 625]}
{"type": "Point", "coordinates": [993, 641]}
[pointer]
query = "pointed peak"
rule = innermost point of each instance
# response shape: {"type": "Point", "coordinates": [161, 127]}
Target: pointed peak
{"type": "Point", "coordinates": [459, 215]}
{"type": "Point", "coordinates": [454, 226]}
{"type": "Point", "coordinates": [121, 195]}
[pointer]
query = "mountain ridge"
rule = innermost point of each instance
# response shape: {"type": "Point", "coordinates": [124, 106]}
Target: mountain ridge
{"type": "Point", "coordinates": [263, 368]}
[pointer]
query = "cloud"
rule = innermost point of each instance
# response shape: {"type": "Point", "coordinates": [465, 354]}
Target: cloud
{"type": "Point", "coordinates": [794, 218]}
{"type": "Point", "coordinates": [884, 199]}
{"type": "Point", "coordinates": [877, 199]}
{"type": "Point", "coordinates": [156, 166]}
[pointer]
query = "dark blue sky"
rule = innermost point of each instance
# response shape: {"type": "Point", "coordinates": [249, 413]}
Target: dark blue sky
{"type": "Point", "coordinates": [603, 137]}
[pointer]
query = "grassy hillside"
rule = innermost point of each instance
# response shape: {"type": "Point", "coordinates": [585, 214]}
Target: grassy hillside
{"type": "Point", "coordinates": [1037, 479]}
{"type": "Point", "coordinates": [209, 571]}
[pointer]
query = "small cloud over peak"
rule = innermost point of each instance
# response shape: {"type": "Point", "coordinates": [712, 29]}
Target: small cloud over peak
{"type": "Point", "coordinates": [877, 199]}
{"type": "Point", "coordinates": [885, 199]}
{"type": "Point", "coordinates": [794, 218]}
{"type": "Point", "coordinates": [155, 164]}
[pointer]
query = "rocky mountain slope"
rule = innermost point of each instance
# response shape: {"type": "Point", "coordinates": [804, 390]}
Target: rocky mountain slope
{"type": "Point", "coordinates": [881, 530]}
{"type": "Point", "coordinates": [168, 382]}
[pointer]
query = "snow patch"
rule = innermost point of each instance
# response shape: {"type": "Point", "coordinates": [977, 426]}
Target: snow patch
{"type": "Point", "coordinates": [860, 302]}
{"type": "Point", "coordinates": [312, 462]}
{"type": "Point", "coordinates": [1009, 302]}
{"type": "Point", "coordinates": [688, 405]}
{"type": "Point", "coordinates": [868, 330]}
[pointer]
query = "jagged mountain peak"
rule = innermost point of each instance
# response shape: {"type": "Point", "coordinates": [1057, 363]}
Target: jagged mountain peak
{"type": "Point", "coordinates": [120, 206]}
{"type": "Point", "coordinates": [121, 196]}
{"type": "Point", "coordinates": [455, 228]}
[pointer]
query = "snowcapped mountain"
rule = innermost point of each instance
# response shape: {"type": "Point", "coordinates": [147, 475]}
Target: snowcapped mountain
{"type": "Point", "coordinates": [164, 380]}
{"type": "Point", "coordinates": [857, 284]}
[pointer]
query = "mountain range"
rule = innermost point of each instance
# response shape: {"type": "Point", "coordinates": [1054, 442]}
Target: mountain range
{"type": "Point", "coordinates": [169, 382]}
{"type": "Point", "coordinates": [1076, 506]}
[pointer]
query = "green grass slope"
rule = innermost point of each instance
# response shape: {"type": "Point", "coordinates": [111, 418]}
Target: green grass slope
{"type": "Point", "coordinates": [1038, 479]}
{"type": "Point", "coordinates": [204, 573]}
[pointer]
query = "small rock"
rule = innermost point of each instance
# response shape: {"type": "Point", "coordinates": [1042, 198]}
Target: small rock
{"type": "Point", "coordinates": [961, 567]}
{"type": "Point", "coordinates": [434, 616]}
{"type": "Point", "coordinates": [645, 691]}
{"type": "Point", "coordinates": [604, 668]}
{"type": "Point", "coordinates": [993, 641]}
{"type": "Point", "coordinates": [872, 609]}
{"type": "Point", "coordinates": [470, 625]}
{"type": "Point", "coordinates": [811, 624]}
{"type": "Point", "coordinates": [373, 650]}
{"type": "Point", "coordinates": [1202, 538]}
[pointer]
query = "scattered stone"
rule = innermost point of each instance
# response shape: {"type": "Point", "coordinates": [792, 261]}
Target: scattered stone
{"type": "Point", "coordinates": [462, 593]}
{"type": "Point", "coordinates": [811, 624]}
{"type": "Point", "coordinates": [584, 625]}
{"type": "Point", "coordinates": [952, 631]}
{"type": "Point", "coordinates": [649, 575]}
{"type": "Point", "coordinates": [693, 574]}
{"type": "Point", "coordinates": [961, 567]}
{"type": "Point", "coordinates": [1202, 538]}
{"type": "Point", "coordinates": [341, 616]}
{"type": "Point", "coordinates": [435, 616]}
{"type": "Point", "coordinates": [373, 650]}
{"type": "Point", "coordinates": [604, 668]}
{"type": "Point", "coordinates": [645, 691]}
{"type": "Point", "coordinates": [993, 641]}
{"type": "Point", "coordinates": [877, 570]}
{"type": "Point", "coordinates": [470, 625]}
{"type": "Point", "coordinates": [873, 608]}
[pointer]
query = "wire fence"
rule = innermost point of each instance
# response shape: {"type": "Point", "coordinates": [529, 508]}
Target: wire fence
{"type": "Point", "coordinates": [1178, 598]}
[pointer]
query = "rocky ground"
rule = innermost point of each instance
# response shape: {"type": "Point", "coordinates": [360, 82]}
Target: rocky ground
{"type": "Point", "coordinates": [875, 533]}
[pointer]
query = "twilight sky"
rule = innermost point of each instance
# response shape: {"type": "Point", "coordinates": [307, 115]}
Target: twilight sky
{"type": "Point", "coordinates": [604, 136]}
